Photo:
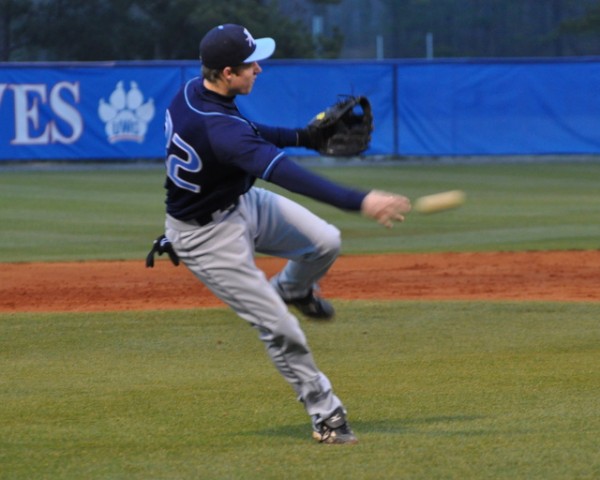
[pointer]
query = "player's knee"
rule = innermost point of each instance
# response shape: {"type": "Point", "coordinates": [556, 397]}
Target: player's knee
{"type": "Point", "coordinates": [285, 334]}
{"type": "Point", "coordinates": [330, 241]}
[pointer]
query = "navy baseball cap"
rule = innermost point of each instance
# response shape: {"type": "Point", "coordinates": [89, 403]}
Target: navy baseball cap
{"type": "Point", "coordinates": [230, 45]}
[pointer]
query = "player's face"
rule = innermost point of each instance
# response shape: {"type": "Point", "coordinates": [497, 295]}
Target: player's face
{"type": "Point", "coordinates": [243, 78]}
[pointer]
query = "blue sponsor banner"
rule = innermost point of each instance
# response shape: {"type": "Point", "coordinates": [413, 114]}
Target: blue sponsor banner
{"type": "Point", "coordinates": [116, 110]}
{"type": "Point", "coordinates": [84, 112]}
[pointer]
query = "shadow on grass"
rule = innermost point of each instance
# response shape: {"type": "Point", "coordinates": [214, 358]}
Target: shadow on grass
{"type": "Point", "coordinates": [446, 426]}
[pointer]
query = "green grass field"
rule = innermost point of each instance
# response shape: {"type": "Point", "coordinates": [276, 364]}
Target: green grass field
{"type": "Point", "coordinates": [448, 390]}
{"type": "Point", "coordinates": [116, 213]}
{"type": "Point", "coordinates": [435, 390]}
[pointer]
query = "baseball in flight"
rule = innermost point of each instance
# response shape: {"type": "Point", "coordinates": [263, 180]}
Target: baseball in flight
{"type": "Point", "coordinates": [439, 202]}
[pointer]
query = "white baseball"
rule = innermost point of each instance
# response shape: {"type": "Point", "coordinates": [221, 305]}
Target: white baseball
{"type": "Point", "coordinates": [439, 202]}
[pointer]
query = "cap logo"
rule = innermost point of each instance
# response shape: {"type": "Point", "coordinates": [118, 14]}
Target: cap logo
{"type": "Point", "coordinates": [249, 38]}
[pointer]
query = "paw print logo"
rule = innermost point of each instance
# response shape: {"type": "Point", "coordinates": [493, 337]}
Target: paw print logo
{"type": "Point", "coordinates": [126, 115]}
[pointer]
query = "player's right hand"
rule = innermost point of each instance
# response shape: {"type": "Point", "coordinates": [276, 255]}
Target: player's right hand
{"type": "Point", "coordinates": [385, 207]}
{"type": "Point", "coordinates": [161, 245]}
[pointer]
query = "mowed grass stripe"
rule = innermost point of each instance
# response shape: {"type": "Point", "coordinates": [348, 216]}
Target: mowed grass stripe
{"type": "Point", "coordinates": [112, 213]}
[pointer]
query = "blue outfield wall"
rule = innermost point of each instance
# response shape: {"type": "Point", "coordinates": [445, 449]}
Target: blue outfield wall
{"type": "Point", "coordinates": [115, 110]}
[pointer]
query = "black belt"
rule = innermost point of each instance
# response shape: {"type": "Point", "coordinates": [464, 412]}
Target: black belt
{"type": "Point", "coordinates": [209, 217]}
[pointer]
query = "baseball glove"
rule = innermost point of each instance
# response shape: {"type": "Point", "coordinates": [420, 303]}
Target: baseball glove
{"type": "Point", "coordinates": [344, 129]}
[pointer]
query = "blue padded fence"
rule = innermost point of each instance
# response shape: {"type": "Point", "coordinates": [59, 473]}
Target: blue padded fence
{"type": "Point", "coordinates": [79, 111]}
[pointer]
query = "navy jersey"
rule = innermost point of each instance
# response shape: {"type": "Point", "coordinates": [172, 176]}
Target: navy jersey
{"type": "Point", "coordinates": [214, 154]}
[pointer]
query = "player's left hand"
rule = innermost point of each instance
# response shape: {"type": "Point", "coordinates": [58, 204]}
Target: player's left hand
{"type": "Point", "coordinates": [161, 245]}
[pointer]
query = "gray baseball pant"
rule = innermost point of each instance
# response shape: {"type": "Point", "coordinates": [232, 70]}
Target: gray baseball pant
{"type": "Point", "coordinates": [221, 255]}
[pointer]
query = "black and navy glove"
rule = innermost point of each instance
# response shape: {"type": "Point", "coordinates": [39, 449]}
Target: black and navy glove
{"type": "Point", "coordinates": [161, 245]}
{"type": "Point", "coordinates": [342, 130]}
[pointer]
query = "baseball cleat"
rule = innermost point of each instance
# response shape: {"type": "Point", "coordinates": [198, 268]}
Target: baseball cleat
{"type": "Point", "coordinates": [313, 306]}
{"type": "Point", "coordinates": [334, 430]}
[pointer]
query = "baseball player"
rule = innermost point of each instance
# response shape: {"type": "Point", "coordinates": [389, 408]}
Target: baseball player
{"type": "Point", "coordinates": [217, 219]}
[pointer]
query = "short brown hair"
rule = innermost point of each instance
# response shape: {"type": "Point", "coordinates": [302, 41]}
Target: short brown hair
{"type": "Point", "coordinates": [212, 74]}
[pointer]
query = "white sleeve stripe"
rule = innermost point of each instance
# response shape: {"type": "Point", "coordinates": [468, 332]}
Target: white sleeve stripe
{"type": "Point", "coordinates": [267, 173]}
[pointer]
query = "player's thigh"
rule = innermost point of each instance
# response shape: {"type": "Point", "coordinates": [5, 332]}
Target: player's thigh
{"type": "Point", "coordinates": [222, 258]}
{"type": "Point", "coordinates": [288, 229]}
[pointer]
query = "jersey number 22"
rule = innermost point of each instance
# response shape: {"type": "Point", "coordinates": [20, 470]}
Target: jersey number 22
{"type": "Point", "coordinates": [191, 162]}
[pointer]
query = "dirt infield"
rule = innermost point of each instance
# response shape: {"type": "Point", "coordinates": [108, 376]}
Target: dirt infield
{"type": "Point", "coordinates": [128, 285]}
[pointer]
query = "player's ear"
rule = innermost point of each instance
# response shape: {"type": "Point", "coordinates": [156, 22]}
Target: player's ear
{"type": "Point", "coordinates": [227, 73]}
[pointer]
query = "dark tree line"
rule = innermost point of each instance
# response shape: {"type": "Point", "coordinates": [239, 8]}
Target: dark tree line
{"type": "Point", "coordinates": [494, 28]}
{"type": "Point", "coordinates": [134, 29]}
{"type": "Point", "coordinates": [170, 29]}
